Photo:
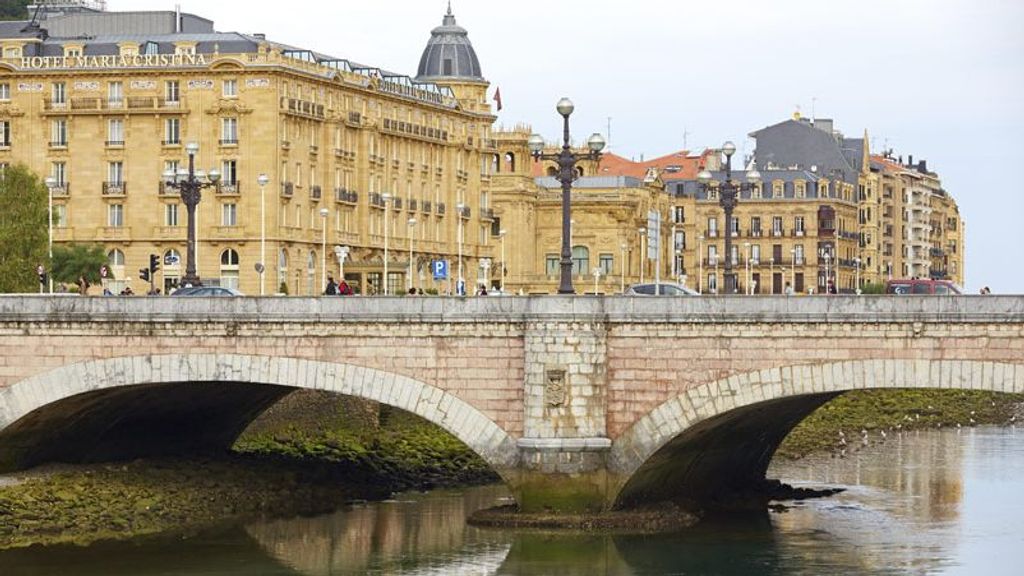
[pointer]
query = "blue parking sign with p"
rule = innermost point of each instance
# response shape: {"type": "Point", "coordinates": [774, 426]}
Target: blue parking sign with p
{"type": "Point", "coordinates": [440, 269]}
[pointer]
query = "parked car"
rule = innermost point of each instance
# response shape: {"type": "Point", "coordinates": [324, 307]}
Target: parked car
{"type": "Point", "coordinates": [207, 291]}
{"type": "Point", "coordinates": [921, 286]}
{"type": "Point", "coordinates": [666, 289]}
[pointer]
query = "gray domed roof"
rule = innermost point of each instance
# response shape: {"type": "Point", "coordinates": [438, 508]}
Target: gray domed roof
{"type": "Point", "coordinates": [449, 55]}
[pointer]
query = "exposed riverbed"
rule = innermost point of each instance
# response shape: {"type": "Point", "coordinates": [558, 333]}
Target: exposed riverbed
{"type": "Point", "coordinates": [929, 502]}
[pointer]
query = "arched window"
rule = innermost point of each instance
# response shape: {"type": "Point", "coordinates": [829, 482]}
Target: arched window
{"type": "Point", "coordinates": [117, 279]}
{"type": "Point", "coordinates": [579, 171]}
{"type": "Point", "coordinates": [552, 171]}
{"type": "Point", "coordinates": [229, 269]}
{"type": "Point", "coordinates": [510, 162]}
{"type": "Point", "coordinates": [282, 269]}
{"type": "Point", "coordinates": [172, 259]}
{"type": "Point", "coordinates": [580, 260]}
{"type": "Point", "coordinates": [115, 257]}
{"type": "Point", "coordinates": [172, 270]}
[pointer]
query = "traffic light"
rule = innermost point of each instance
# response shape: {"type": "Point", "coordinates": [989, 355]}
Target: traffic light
{"type": "Point", "coordinates": [144, 274]}
{"type": "Point", "coordinates": [42, 277]}
{"type": "Point", "coordinates": [154, 264]}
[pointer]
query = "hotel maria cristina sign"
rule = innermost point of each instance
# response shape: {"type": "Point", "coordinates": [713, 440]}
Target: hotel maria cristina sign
{"type": "Point", "coordinates": [101, 62]}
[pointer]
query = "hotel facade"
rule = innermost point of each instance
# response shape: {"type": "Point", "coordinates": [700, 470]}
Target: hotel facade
{"type": "Point", "coordinates": [376, 176]}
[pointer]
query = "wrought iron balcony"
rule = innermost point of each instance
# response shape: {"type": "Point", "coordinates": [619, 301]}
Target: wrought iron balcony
{"type": "Point", "coordinates": [346, 196]}
{"type": "Point", "coordinates": [229, 189]}
{"type": "Point", "coordinates": [287, 189]}
{"type": "Point", "coordinates": [115, 188]}
{"type": "Point", "coordinates": [315, 192]}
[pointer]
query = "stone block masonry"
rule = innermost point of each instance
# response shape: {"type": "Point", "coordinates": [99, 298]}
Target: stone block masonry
{"type": "Point", "coordinates": [575, 401]}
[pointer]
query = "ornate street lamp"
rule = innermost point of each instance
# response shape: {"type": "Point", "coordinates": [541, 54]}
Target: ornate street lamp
{"type": "Point", "coordinates": [191, 184]}
{"type": "Point", "coordinates": [566, 160]}
{"type": "Point", "coordinates": [728, 192]}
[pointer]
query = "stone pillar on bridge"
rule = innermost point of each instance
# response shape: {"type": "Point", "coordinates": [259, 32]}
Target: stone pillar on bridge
{"type": "Point", "coordinates": [565, 441]}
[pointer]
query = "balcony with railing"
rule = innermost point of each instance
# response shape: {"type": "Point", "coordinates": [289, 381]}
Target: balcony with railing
{"type": "Point", "coordinates": [228, 141]}
{"type": "Point", "coordinates": [164, 190]}
{"type": "Point", "coordinates": [59, 144]}
{"type": "Point", "coordinates": [425, 207]}
{"type": "Point", "coordinates": [413, 205]}
{"type": "Point", "coordinates": [287, 189]}
{"type": "Point", "coordinates": [115, 188]}
{"type": "Point", "coordinates": [315, 192]}
{"type": "Point", "coordinates": [755, 233]}
{"type": "Point", "coordinates": [302, 108]}
{"type": "Point", "coordinates": [130, 105]}
{"type": "Point", "coordinates": [346, 196]}
{"type": "Point", "coordinates": [115, 143]}
{"type": "Point", "coordinates": [354, 119]}
{"type": "Point", "coordinates": [229, 188]}
{"type": "Point", "coordinates": [396, 203]}
{"type": "Point", "coordinates": [487, 213]}
{"type": "Point", "coordinates": [466, 212]}
{"type": "Point", "coordinates": [62, 190]}
{"type": "Point", "coordinates": [440, 208]}
{"type": "Point", "coordinates": [377, 200]}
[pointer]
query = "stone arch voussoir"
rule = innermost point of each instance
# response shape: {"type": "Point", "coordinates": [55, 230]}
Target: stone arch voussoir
{"type": "Point", "coordinates": [444, 409]}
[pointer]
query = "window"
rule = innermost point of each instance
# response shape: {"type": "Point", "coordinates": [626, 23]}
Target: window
{"type": "Point", "coordinates": [678, 214]}
{"type": "Point", "coordinates": [115, 215]}
{"type": "Point", "coordinates": [229, 215]}
{"type": "Point", "coordinates": [115, 172]}
{"type": "Point", "coordinates": [230, 88]}
{"type": "Point", "coordinates": [735, 226]}
{"type": "Point", "coordinates": [172, 91]}
{"type": "Point", "coordinates": [115, 94]}
{"type": "Point", "coordinates": [755, 226]}
{"type": "Point", "coordinates": [60, 93]}
{"type": "Point", "coordinates": [72, 51]}
{"type": "Point", "coordinates": [713, 283]}
{"type": "Point", "coordinates": [712, 227]}
{"type": "Point", "coordinates": [712, 255]}
{"type": "Point", "coordinates": [12, 52]}
{"type": "Point", "coordinates": [229, 172]}
{"type": "Point", "coordinates": [282, 268]}
{"type": "Point", "coordinates": [229, 269]}
{"type": "Point", "coordinates": [551, 267]}
{"type": "Point", "coordinates": [606, 262]}
{"type": "Point", "coordinates": [778, 189]}
{"type": "Point", "coordinates": [798, 254]}
{"type": "Point", "coordinates": [798, 225]}
{"type": "Point", "coordinates": [735, 255]}
{"type": "Point", "coordinates": [58, 171]}
{"type": "Point", "coordinates": [150, 48]}
{"type": "Point", "coordinates": [170, 215]}
{"type": "Point", "coordinates": [115, 132]}
{"type": "Point", "coordinates": [59, 132]}
{"type": "Point", "coordinates": [172, 131]}
{"type": "Point", "coordinates": [60, 216]}
{"type": "Point", "coordinates": [5, 134]}
{"type": "Point", "coordinates": [229, 130]}
{"type": "Point", "coordinates": [5, 91]}
{"type": "Point", "coordinates": [755, 254]}
{"type": "Point", "coordinates": [580, 261]}
{"type": "Point", "coordinates": [776, 226]}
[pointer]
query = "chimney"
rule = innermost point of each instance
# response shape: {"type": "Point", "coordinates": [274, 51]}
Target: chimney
{"type": "Point", "coordinates": [922, 166]}
{"type": "Point", "coordinates": [910, 160]}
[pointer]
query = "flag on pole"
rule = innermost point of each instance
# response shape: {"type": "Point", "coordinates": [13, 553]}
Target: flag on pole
{"type": "Point", "coordinates": [497, 97]}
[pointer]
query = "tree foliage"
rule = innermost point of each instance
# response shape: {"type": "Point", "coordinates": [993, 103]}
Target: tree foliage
{"type": "Point", "coordinates": [14, 9]}
{"type": "Point", "coordinates": [878, 288]}
{"type": "Point", "coordinates": [71, 262]}
{"type": "Point", "coordinates": [23, 229]}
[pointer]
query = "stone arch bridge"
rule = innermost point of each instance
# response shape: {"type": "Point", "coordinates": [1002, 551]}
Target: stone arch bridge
{"type": "Point", "coordinates": [579, 403]}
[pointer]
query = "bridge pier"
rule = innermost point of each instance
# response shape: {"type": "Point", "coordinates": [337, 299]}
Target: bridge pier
{"type": "Point", "coordinates": [565, 442]}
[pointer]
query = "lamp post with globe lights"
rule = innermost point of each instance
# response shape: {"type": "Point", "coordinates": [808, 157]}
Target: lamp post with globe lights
{"type": "Point", "coordinates": [729, 190]}
{"type": "Point", "coordinates": [190, 184]}
{"type": "Point", "coordinates": [51, 183]}
{"type": "Point", "coordinates": [566, 160]}
{"type": "Point", "coordinates": [323, 245]}
{"type": "Point", "coordinates": [412, 239]}
{"type": "Point", "coordinates": [502, 233]}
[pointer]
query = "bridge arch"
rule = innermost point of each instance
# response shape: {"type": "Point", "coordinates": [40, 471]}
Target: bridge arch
{"type": "Point", "coordinates": [723, 434]}
{"type": "Point", "coordinates": [22, 417]}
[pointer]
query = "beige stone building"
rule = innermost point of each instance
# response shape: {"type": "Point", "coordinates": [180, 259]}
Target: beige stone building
{"type": "Point", "coordinates": [106, 102]}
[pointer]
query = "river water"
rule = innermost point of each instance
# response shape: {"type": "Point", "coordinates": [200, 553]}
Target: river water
{"type": "Point", "coordinates": [937, 502]}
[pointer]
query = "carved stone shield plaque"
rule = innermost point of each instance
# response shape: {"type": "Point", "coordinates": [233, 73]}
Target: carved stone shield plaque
{"type": "Point", "coordinates": [554, 387]}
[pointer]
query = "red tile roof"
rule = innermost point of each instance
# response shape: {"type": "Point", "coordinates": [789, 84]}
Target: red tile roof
{"type": "Point", "coordinates": [679, 165]}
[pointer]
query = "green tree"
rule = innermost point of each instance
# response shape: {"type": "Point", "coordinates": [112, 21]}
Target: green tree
{"type": "Point", "coordinates": [23, 229]}
{"type": "Point", "coordinates": [873, 288]}
{"type": "Point", "coordinates": [70, 262]}
{"type": "Point", "coordinates": [14, 9]}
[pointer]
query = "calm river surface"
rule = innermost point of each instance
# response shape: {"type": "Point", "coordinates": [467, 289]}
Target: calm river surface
{"type": "Point", "coordinates": [923, 503]}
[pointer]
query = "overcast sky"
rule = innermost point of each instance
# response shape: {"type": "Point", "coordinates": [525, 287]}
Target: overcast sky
{"type": "Point", "coordinates": [942, 80]}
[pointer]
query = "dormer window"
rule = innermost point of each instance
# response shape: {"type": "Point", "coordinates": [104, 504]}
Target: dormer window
{"type": "Point", "coordinates": [185, 49]}
{"type": "Point", "coordinates": [72, 51]}
{"type": "Point", "coordinates": [151, 48]}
